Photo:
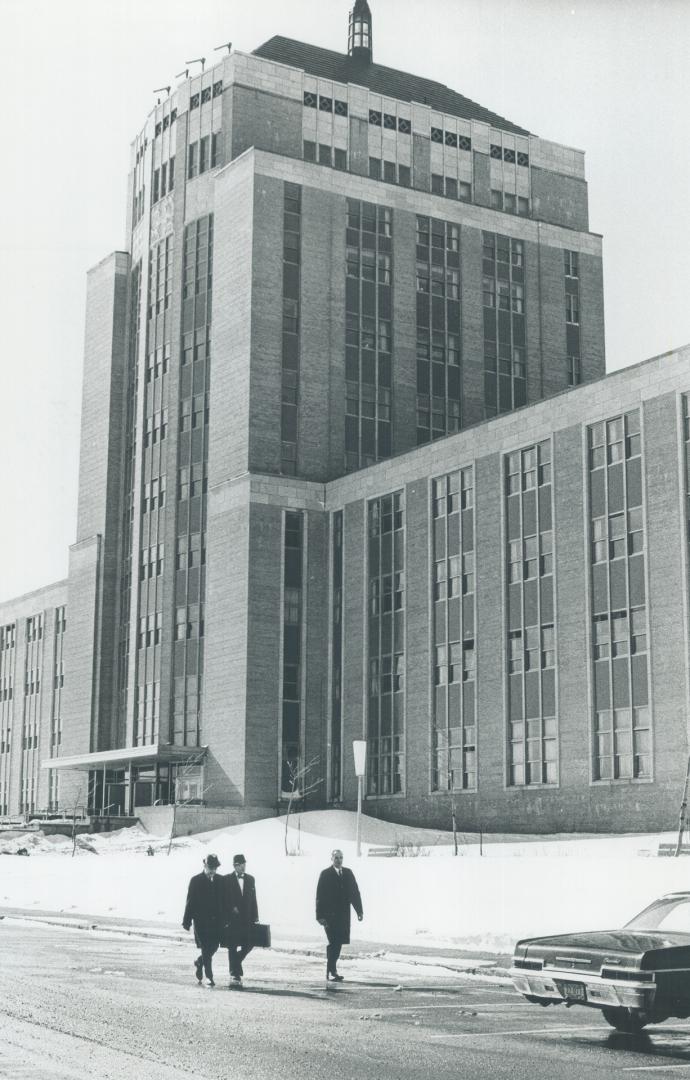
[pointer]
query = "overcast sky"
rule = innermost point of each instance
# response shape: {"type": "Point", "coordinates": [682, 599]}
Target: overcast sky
{"type": "Point", "coordinates": [76, 83]}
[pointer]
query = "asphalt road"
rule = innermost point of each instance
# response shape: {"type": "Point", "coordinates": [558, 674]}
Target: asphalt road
{"type": "Point", "coordinates": [91, 1004]}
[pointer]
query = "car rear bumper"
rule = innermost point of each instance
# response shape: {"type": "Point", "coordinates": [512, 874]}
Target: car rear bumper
{"type": "Point", "coordinates": [563, 986]}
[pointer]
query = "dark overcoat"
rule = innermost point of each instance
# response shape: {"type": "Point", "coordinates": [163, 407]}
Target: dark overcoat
{"type": "Point", "coordinates": [241, 910]}
{"type": "Point", "coordinates": [205, 906]}
{"type": "Point", "coordinates": [335, 895]}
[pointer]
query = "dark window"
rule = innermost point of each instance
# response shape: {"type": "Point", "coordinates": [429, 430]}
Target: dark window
{"type": "Point", "coordinates": [389, 121]}
{"type": "Point", "coordinates": [495, 151]}
{"type": "Point", "coordinates": [451, 139]}
{"type": "Point", "coordinates": [374, 168]}
{"type": "Point", "coordinates": [309, 150]}
{"type": "Point", "coordinates": [218, 88]}
{"type": "Point", "coordinates": [522, 159]}
{"type": "Point", "coordinates": [205, 95]}
{"type": "Point", "coordinates": [404, 126]}
{"type": "Point", "coordinates": [404, 175]}
{"type": "Point", "coordinates": [340, 108]}
{"type": "Point", "coordinates": [437, 184]}
{"type": "Point", "coordinates": [194, 101]}
{"type": "Point", "coordinates": [309, 99]}
{"type": "Point", "coordinates": [389, 172]}
{"type": "Point", "coordinates": [509, 155]}
{"type": "Point", "coordinates": [325, 104]}
{"type": "Point", "coordinates": [464, 142]}
{"type": "Point", "coordinates": [436, 135]}
{"type": "Point", "coordinates": [325, 154]}
{"type": "Point", "coordinates": [339, 159]}
{"type": "Point", "coordinates": [375, 117]}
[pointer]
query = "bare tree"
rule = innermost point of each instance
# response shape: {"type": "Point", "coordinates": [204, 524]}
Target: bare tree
{"type": "Point", "coordinates": [78, 798]}
{"type": "Point", "coordinates": [302, 782]}
{"type": "Point", "coordinates": [188, 767]}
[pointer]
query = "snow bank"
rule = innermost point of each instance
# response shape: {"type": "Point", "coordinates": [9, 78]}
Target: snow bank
{"type": "Point", "coordinates": [520, 888]}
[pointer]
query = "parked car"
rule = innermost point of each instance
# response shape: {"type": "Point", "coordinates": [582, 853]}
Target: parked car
{"type": "Point", "coordinates": [637, 975]}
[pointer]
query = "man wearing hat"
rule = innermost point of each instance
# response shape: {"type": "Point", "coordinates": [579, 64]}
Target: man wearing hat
{"type": "Point", "coordinates": [206, 909]}
{"type": "Point", "coordinates": [241, 903]}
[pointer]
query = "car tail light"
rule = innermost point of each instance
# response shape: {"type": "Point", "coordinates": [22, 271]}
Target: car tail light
{"type": "Point", "coordinates": [621, 975]}
{"type": "Point", "coordinates": [529, 965]}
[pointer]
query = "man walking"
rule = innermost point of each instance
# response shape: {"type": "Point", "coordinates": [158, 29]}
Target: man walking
{"type": "Point", "coordinates": [241, 902]}
{"type": "Point", "coordinates": [336, 892]}
{"type": "Point", "coordinates": [206, 909]}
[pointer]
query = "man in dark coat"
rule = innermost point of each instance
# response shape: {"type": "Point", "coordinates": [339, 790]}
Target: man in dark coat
{"type": "Point", "coordinates": [241, 913]}
{"type": "Point", "coordinates": [336, 892]}
{"type": "Point", "coordinates": [206, 909]}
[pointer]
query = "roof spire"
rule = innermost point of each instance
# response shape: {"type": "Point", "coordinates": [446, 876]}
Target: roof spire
{"type": "Point", "coordinates": [359, 42]}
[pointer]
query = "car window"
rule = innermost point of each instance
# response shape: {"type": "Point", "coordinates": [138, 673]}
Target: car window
{"type": "Point", "coordinates": [671, 915]}
{"type": "Point", "coordinates": [678, 918]}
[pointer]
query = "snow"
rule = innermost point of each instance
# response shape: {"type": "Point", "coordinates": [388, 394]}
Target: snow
{"type": "Point", "coordinates": [517, 887]}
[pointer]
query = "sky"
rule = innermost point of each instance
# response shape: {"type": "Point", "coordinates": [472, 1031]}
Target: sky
{"type": "Point", "coordinates": [77, 80]}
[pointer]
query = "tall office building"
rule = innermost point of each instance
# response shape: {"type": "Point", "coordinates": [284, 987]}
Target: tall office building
{"type": "Point", "coordinates": [308, 508]}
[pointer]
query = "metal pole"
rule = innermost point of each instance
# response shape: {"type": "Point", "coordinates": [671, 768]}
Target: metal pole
{"type": "Point", "coordinates": [682, 823]}
{"type": "Point", "coordinates": [359, 816]}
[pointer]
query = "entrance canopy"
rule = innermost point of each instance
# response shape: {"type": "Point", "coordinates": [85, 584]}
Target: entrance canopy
{"type": "Point", "coordinates": [134, 755]}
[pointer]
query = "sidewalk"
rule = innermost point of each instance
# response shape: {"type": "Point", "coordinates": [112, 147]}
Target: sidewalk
{"type": "Point", "coordinates": [463, 961]}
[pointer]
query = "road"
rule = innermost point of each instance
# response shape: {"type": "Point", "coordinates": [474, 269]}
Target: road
{"type": "Point", "coordinates": [81, 1004]}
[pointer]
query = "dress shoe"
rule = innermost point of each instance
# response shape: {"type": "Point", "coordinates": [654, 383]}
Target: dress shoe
{"type": "Point", "coordinates": [236, 982]}
{"type": "Point", "coordinates": [334, 976]}
{"type": "Point", "coordinates": [211, 982]}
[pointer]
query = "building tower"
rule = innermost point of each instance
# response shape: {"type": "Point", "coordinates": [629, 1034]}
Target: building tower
{"type": "Point", "coordinates": [360, 41]}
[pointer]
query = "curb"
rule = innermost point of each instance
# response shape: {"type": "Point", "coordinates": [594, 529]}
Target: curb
{"type": "Point", "coordinates": [486, 970]}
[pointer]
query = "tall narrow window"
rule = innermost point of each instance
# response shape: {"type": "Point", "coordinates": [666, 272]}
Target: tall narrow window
{"type": "Point", "coordinates": [530, 631]}
{"type": "Point", "coordinates": [386, 652]}
{"type": "Point", "coordinates": [505, 356]}
{"type": "Point", "coordinates": [622, 738]}
{"type": "Point", "coordinates": [368, 334]}
{"type": "Point", "coordinates": [454, 711]}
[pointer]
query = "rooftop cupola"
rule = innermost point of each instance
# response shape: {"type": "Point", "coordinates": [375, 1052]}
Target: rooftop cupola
{"type": "Point", "coordinates": [359, 43]}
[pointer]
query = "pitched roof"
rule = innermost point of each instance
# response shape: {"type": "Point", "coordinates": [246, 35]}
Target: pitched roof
{"type": "Point", "coordinates": [325, 64]}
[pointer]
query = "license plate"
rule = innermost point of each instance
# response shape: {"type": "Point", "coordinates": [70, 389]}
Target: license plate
{"type": "Point", "coordinates": [573, 991]}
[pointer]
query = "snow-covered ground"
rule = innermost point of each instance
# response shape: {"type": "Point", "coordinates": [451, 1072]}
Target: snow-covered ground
{"type": "Point", "coordinates": [517, 887]}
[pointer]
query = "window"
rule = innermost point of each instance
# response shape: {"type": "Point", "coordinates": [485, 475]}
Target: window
{"type": "Point", "coordinates": [572, 308]}
{"type": "Point", "coordinates": [191, 160]}
{"type": "Point", "coordinates": [325, 154]}
{"type": "Point", "coordinates": [309, 150]}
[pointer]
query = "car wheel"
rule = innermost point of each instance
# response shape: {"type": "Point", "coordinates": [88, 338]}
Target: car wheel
{"type": "Point", "coordinates": [629, 1020]}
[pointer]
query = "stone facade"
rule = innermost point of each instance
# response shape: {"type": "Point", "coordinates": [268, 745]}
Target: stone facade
{"type": "Point", "coordinates": [201, 597]}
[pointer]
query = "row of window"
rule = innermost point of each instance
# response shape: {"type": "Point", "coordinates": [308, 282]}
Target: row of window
{"type": "Point", "coordinates": [506, 153]}
{"type": "Point", "coordinates": [203, 155]}
{"type": "Point", "coordinates": [165, 123]}
{"type": "Point", "coordinates": [509, 202]}
{"type": "Point", "coordinates": [163, 180]}
{"type": "Point", "coordinates": [206, 95]}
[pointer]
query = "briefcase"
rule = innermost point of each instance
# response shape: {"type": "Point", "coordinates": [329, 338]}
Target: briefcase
{"type": "Point", "coordinates": [261, 935]}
